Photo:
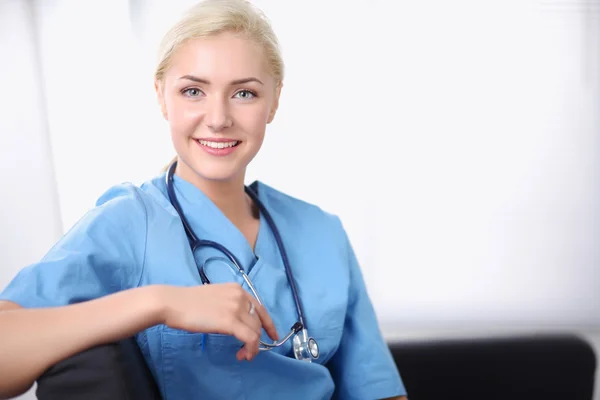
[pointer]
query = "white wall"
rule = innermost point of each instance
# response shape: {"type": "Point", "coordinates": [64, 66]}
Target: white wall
{"type": "Point", "coordinates": [458, 141]}
{"type": "Point", "coordinates": [29, 212]}
{"type": "Point", "coordinates": [459, 146]}
{"type": "Point", "coordinates": [29, 191]}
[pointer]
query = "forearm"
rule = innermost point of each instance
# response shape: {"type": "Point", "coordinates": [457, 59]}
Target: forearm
{"type": "Point", "coordinates": [32, 340]}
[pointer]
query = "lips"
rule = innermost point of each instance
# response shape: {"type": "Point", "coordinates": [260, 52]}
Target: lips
{"type": "Point", "coordinates": [221, 147]}
{"type": "Point", "coordinates": [218, 144]}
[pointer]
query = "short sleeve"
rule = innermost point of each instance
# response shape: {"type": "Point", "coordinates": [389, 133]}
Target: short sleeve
{"type": "Point", "coordinates": [363, 367]}
{"type": "Point", "coordinates": [101, 254]}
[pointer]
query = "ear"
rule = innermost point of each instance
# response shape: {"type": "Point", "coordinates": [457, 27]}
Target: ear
{"type": "Point", "coordinates": [159, 88]}
{"type": "Point", "coordinates": [275, 103]}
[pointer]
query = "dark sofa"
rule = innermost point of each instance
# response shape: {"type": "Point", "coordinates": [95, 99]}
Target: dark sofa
{"type": "Point", "coordinates": [548, 367]}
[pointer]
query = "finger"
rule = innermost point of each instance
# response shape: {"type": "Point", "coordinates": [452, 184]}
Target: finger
{"type": "Point", "coordinates": [261, 312]}
{"type": "Point", "coordinates": [251, 320]}
{"type": "Point", "coordinates": [265, 319]}
{"type": "Point", "coordinates": [249, 337]}
{"type": "Point", "coordinates": [241, 354]}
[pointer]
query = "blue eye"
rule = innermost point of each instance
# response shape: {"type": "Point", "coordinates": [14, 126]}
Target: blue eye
{"type": "Point", "coordinates": [192, 92]}
{"type": "Point", "coordinates": [245, 95]}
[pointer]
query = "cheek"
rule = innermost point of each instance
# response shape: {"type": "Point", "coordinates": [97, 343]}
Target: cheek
{"type": "Point", "coordinates": [183, 118]}
{"type": "Point", "coordinates": [254, 121]}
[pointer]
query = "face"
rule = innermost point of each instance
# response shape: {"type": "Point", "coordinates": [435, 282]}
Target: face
{"type": "Point", "coordinates": [218, 96]}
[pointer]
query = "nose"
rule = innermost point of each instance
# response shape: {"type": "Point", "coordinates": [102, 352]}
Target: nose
{"type": "Point", "coordinates": [217, 115]}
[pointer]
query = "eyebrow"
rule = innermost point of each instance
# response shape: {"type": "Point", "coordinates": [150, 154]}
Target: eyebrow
{"type": "Point", "coordinates": [235, 82]}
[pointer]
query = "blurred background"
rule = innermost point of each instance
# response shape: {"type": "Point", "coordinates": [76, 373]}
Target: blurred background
{"type": "Point", "coordinates": [459, 142]}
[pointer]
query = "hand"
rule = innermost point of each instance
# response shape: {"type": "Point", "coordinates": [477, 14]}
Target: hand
{"type": "Point", "coordinates": [217, 308]}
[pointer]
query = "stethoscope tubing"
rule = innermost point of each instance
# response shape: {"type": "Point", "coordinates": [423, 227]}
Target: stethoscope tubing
{"type": "Point", "coordinates": [196, 243]}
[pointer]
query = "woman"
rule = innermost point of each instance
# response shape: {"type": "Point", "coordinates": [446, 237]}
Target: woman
{"type": "Point", "coordinates": [127, 267]}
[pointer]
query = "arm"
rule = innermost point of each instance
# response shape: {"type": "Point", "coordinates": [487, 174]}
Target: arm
{"type": "Point", "coordinates": [32, 340]}
{"type": "Point", "coordinates": [84, 293]}
{"type": "Point", "coordinates": [49, 311]}
{"type": "Point", "coordinates": [96, 258]}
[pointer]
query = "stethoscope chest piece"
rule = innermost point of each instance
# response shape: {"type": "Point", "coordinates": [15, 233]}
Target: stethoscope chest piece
{"type": "Point", "coordinates": [305, 348]}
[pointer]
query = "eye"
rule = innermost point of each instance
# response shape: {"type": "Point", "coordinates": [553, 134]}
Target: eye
{"type": "Point", "coordinates": [245, 94]}
{"type": "Point", "coordinates": [192, 92]}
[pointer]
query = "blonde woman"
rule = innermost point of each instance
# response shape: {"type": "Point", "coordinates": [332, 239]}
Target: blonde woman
{"type": "Point", "coordinates": [231, 291]}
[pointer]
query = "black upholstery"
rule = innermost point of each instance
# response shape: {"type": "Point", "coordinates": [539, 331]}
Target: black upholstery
{"type": "Point", "coordinates": [115, 371]}
{"type": "Point", "coordinates": [524, 368]}
{"type": "Point", "coordinates": [512, 368]}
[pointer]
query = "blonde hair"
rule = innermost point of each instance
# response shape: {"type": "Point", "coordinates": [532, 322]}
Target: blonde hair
{"type": "Point", "coordinates": [212, 17]}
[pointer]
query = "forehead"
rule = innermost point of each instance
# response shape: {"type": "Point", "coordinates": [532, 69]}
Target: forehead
{"type": "Point", "coordinates": [222, 57]}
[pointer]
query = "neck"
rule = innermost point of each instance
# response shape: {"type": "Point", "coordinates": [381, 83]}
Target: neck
{"type": "Point", "coordinates": [229, 196]}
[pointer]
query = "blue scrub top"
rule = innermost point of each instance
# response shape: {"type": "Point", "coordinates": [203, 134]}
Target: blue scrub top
{"type": "Point", "coordinates": [134, 237]}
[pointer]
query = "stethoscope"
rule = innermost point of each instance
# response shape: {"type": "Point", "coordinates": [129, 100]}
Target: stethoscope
{"type": "Point", "coordinates": [305, 347]}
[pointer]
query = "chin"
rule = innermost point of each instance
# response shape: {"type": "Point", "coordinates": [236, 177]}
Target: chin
{"type": "Point", "coordinates": [219, 177]}
{"type": "Point", "coordinates": [217, 173]}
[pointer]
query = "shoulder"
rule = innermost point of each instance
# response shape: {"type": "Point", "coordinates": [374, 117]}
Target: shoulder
{"type": "Point", "coordinates": [121, 196]}
{"type": "Point", "coordinates": [121, 209]}
{"type": "Point", "coordinates": [285, 203]}
{"type": "Point", "coordinates": [300, 213]}
{"type": "Point", "coordinates": [119, 204]}
{"type": "Point", "coordinates": [116, 226]}
{"type": "Point", "coordinates": [126, 201]}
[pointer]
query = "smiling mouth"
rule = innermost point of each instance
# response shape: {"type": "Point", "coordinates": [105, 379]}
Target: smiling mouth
{"type": "Point", "coordinates": [219, 145]}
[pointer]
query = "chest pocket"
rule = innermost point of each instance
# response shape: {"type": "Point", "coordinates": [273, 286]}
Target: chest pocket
{"type": "Point", "coordinates": [204, 365]}
{"type": "Point", "coordinates": [199, 365]}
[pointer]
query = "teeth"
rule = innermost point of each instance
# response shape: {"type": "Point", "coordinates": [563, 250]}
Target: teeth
{"type": "Point", "coordinates": [218, 145]}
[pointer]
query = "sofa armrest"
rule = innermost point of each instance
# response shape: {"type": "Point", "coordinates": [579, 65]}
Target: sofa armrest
{"type": "Point", "coordinates": [115, 371]}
